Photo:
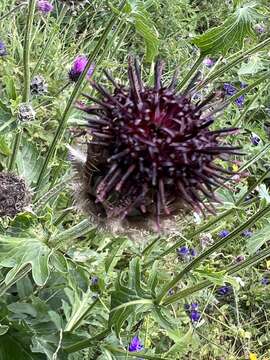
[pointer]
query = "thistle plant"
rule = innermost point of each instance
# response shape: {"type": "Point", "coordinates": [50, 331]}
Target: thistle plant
{"type": "Point", "coordinates": [156, 152]}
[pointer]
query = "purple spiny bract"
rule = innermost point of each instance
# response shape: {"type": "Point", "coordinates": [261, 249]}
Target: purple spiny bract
{"type": "Point", "coordinates": [151, 152]}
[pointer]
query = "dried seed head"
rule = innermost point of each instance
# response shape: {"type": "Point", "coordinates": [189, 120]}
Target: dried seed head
{"type": "Point", "coordinates": [14, 194]}
{"type": "Point", "coordinates": [151, 152]}
{"type": "Point", "coordinates": [38, 85]}
{"type": "Point", "coordinates": [26, 113]}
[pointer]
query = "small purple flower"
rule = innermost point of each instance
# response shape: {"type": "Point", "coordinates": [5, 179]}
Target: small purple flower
{"type": "Point", "coordinates": [239, 258]}
{"type": "Point", "coordinates": [247, 233]}
{"type": "Point", "coordinates": [44, 6]}
{"type": "Point", "coordinates": [3, 50]}
{"type": "Point", "coordinates": [229, 89]}
{"type": "Point", "coordinates": [240, 101]}
{"type": "Point", "coordinates": [183, 251]}
{"type": "Point", "coordinates": [194, 315]}
{"type": "Point", "coordinates": [223, 233]}
{"type": "Point", "coordinates": [78, 67]}
{"type": "Point", "coordinates": [265, 281]}
{"type": "Point", "coordinates": [194, 306]}
{"type": "Point", "coordinates": [193, 252]}
{"type": "Point", "coordinates": [224, 290]}
{"type": "Point", "coordinates": [259, 28]}
{"type": "Point", "coordinates": [94, 280]}
{"type": "Point", "coordinates": [255, 139]}
{"type": "Point", "coordinates": [208, 62]}
{"type": "Point", "coordinates": [135, 345]}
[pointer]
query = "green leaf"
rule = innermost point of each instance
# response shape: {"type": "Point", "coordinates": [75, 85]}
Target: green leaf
{"type": "Point", "coordinates": [232, 32]}
{"type": "Point", "coordinates": [263, 193]}
{"type": "Point", "coordinates": [145, 27]}
{"type": "Point", "coordinates": [4, 148]}
{"type": "Point", "coordinates": [11, 348]}
{"type": "Point", "coordinates": [118, 247]}
{"type": "Point", "coordinates": [29, 162]}
{"type": "Point", "coordinates": [16, 253]}
{"type": "Point", "coordinates": [127, 296]}
{"type": "Point", "coordinates": [257, 240]}
{"type": "Point", "coordinates": [3, 329]}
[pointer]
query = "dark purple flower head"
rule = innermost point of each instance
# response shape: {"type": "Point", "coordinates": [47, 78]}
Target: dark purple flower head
{"type": "Point", "coordinates": [151, 154]}
{"type": "Point", "coordinates": [224, 290]}
{"type": "Point", "coordinates": [44, 6]}
{"type": "Point", "coordinates": [247, 233]}
{"type": "Point", "coordinates": [255, 139]}
{"type": "Point", "coordinates": [265, 281]}
{"type": "Point", "coordinates": [208, 62]}
{"type": "Point", "coordinates": [223, 233]}
{"type": "Point", "coordinates": [78, 67]}
{"type": "Point", "coordinates": [3, 50]}
{"type": "Point", "coordinates": [135, 345]}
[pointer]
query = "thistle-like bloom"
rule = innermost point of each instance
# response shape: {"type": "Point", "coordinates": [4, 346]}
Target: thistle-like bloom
{"type": "Point", "coordinates": [14, 194]}
{"type": "Point", "coordinates": [135, 345]}
{"type": "Point", "coordinates": [78, 67]}
{"type": "Point", "coordinates": [26, 113]}
{"type": "Point", "coordinates": [44, 6]}
{"type": "Point", "coordinates": [3, 50]}
{"type": "Point", "coordinates": [150, 150]}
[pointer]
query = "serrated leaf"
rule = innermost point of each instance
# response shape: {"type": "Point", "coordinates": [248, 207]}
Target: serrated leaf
{"type": "Point", "coordinates": [16, 253]}
{"type": "Point", "coordinates": [263, 193]}
{"type": "Point", "coordinates": [231, 33]}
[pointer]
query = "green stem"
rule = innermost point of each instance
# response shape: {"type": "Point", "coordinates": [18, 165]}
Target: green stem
{"type": "Point", "coordinates": [26, 68]}
{"type": "Point", "coordinates": [64, 87]}
{"type": "Point", "coordinates": [190, 73]}
{"type": "Point", "coordinates": [87, 343]}
{"type": "Point", "coordinates": [206, 283]}
{"type": "Point", "coordinates": [13, 10]}
{"type": "Point", "coordinates": [197, 261]}
{"type": "Point", "coordinates": [6, 124]}
{"type": "Point", "coordinates": [223, 69]}
{"type": "Point", "coordinates": [50, 40]}
{"type": "Point", "coordinates": [62, 125]}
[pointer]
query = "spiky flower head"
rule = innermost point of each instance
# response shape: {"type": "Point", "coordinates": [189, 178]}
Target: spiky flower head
{"type": "Point", "coordinates": [150, 151]}
{"type": "Point", "coordinates": [14, 194]}
{"type": "Point", "coordinates": [38, 85]}
{"type": "Point", "coordinates": [74, 4]}
{"type": "Point", "coordinates": [44, 6]}
{"type": "Point", "coordinates": [78, 67]}
{"type": "Point", "coordinates": [26, 113]}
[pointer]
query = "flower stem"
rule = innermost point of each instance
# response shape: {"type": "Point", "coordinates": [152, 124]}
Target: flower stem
{"type": "Point", "coordinates": [197, 261]}
{"type": "Point", "coordinates": [13, 10]}
{"type": "Point", "coordinates": [50, 40]}
{"type": "Point", "coordinates": [191, 72]}
{"type": "Point", "coordinates": [62, 125]}
{"type": "Point", "coordinates": [26, 68]}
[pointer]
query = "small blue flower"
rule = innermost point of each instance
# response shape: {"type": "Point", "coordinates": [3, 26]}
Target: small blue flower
{"type": "Point", "coordinates": [183, 251]}
{"type": "Point", "coordinates": [223, 233]}
{"type": "Point", "coordinates": [193, 252]}
{"type": "Point", "coordinates": [3, 50]}
{"type": "Point", "coordinates": [194, 306]}
{"type": "Point", "coordinates": [255, 139]}
{"type": "Point", "coordinates": [229, 89]}
{"type": "Point", "coordinates": [265, 281]}
{"type": "Point", "coordinates": [247, 233]}
{"type": "Point", "coordinates": [240, 101]}
{"type": "Point", "coordinates": [94, 280]}
{"type": "Point", "coordinates": [194, 315]}
{"type": "Point", "coordinates": [224, 290]}
{"type": "Point", "coordinates": [187, 307]}
{"type": "Point", "coordinates": [135, 345]}
{"type": "Point", "coordinates": [259, 28]}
